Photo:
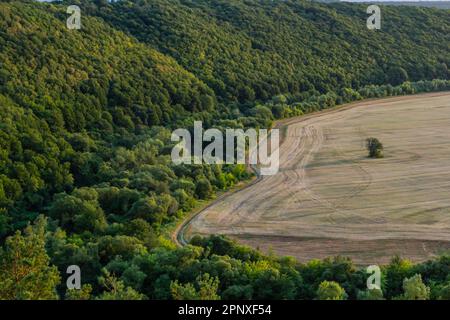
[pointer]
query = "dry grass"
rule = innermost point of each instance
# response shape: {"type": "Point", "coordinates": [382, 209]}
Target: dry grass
{"type": "Point", "coordinates": [329, 198]}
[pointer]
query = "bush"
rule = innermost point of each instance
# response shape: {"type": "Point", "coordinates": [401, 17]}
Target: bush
{"type": "Point", "coordinates": [414, 289]}
{"type": "Point", "coordinates": [375, 148]}
{"type": "Point", "coordinates": [330, 290]}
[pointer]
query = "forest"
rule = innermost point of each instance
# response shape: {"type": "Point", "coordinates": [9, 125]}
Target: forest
{"type": "Point", "coordinates": [86, 116]}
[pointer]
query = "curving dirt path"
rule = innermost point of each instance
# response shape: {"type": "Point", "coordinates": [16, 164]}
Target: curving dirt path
{"type": "Point", "coordinates": [329, 198]}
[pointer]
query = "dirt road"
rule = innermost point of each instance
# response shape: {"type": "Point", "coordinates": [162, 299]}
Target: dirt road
{"type": "Point", "coordinates": [329, 198]}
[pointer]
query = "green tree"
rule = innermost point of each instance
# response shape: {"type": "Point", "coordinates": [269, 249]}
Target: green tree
{"type": "Point", "coordinates": [397, 75]}
{"type": "Point", "coordinates": [272, 284]}
{"type": "Point", "coordinates": [183, 291]}
{"type": "Point", "coordinates": [25, 269]}
{"type": "Point", "coordinates": [149, 209]}
{"type": "Point", "coordinates": [125, 246]}
{"type": "Point", "coordinates": [415, 289]}
{"type": "Point", "coordinates": [238, 292]}
{"type": "Point", "coordinates": [116, 290]}
{"type": "Point", "coordinates": [79, 294]}
{"type": "Point", "coordinates": [4, 222]}
{"type": "Point", "coordinates": [395, 272]}
{"type": "Point", "coordinates": [375, 148]}
{"type": "Point", "coordinates": [370, 294]}
{"type": "Point", "coordinates": [78, 215]}
{"type": "Point", "coordinates": [141, 230]}
{"type": "Point", "coordinates": [330, 290]}
{"type": "Point", "coordinates": [444, 292]}
{"type": "Point", "coordinates": [205, 289]}
{"type": "Point", "coordinates": [203, 188]}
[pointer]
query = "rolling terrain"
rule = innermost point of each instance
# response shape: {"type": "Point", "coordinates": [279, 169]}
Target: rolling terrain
{"type": "Point", "coordinates": [86, 176]}
{"type": "Point", "coordinates": [330, 199]}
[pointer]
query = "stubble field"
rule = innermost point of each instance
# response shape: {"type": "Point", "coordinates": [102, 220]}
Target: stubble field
{"type": "Point", "coordinates": [330, 199]}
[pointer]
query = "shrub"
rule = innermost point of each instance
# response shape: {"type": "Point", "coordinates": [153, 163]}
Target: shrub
{"type": "Point", "coordinates": [375, 148]}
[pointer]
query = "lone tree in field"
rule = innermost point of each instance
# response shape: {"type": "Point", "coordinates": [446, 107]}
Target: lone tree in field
{"type": "Point", "coordinates": [375, 148]}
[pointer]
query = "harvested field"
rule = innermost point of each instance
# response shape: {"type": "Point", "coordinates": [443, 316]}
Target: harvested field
{"type": "Point", "coordinates": [330, 199]}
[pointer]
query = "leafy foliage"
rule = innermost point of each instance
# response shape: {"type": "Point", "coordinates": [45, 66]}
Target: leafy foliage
{"type": "Point", "coordinates": [330, 290]}
{"type": "Point", "coordinates": [246, 50]}
{"type": "Point", "coordinates": [375, 148]}
{"type": "Point", "coordinates": [85, 124]}
{"type": "Point", "coordinates": [415, 289]}
{"type": "Point", "coordinates": [26, 272]}
{"type": "Point", "coordinates": [116, 290]}
{"type": "Point", "coordinates": [207, 289]}
{"type": "Point", "coordinates": [371, 294]}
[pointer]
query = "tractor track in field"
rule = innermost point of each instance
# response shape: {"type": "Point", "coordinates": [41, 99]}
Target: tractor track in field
{"type": "Point", "coordinates": [256, 212]}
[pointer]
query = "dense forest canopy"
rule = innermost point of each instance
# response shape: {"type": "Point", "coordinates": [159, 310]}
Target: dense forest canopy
{"type": "Point", "coordinates": [256, 49]}
{"type": "Point", "coordinates": [85, 123]}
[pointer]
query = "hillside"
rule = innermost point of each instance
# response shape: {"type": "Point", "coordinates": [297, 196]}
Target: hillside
{"type": "Point", "coordinates": [86, 116]}
{"type": "Point", "coordinates": [96, 68]}
{"type": "Point", "coordinates": [256, 49]}
{"type": "Point", "coordinates": [428, 3]}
